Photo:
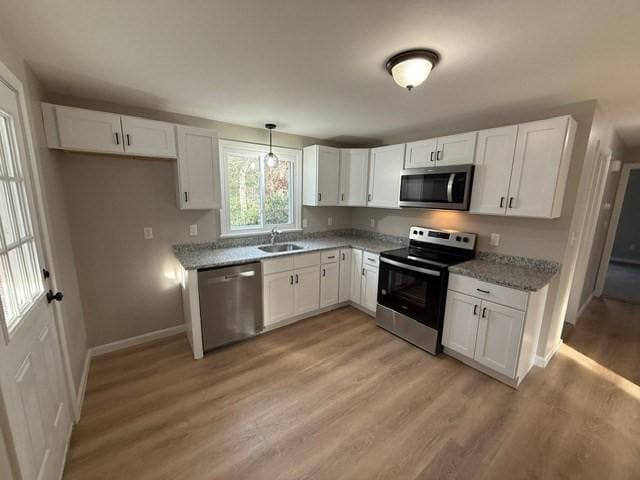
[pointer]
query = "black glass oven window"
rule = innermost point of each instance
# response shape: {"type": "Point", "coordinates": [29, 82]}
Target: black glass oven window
{"type": "Point", "coordinates": [433, 188]}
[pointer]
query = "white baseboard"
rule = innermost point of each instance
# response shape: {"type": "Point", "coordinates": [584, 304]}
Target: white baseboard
{"type": "Point", "coordinates": [133, 341]}
{"type": "Point", "coordinates": [542, 362]}
{"type": "Point", "coordinates": [631, 261]}
{"type": "Point", "coordinates": [83, 385]}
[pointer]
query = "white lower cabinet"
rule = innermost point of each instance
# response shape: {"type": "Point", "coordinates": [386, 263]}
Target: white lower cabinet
{"type": "Point", "coordinates": [307, 290]}
{"type": "Point", "coordinates": [329, 284]}
{"type": "Point", "coordinates": [370, 288]}
{"type": "Point", "coordinates": [500, 339]}
{"type": "Point", "coordinates": [355, 293]}
{"type": "Point", "coordinates": [278, 297]}
{"type": "Point", "coordinates": [344, 292]}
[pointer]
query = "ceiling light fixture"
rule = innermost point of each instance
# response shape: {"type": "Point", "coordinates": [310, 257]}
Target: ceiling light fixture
{"type": "Point", "coordinates": [270, 159]}
{"type": "Point", "coordinates": [412, 67]}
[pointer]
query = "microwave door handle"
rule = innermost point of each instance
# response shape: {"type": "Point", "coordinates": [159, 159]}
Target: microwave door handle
{"type": "Point", "coordinates": [452, 177]}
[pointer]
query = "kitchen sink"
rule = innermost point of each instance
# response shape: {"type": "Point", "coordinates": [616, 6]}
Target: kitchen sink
{"type": "Point", "coordinates": [280, 247]}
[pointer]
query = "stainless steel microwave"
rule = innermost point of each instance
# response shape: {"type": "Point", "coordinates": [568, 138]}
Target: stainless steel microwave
{"type": "Point", "coordinates": [447, 188]}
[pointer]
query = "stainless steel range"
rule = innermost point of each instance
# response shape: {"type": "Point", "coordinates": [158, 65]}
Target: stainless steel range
{"type": "Point", "coordinates": [412, 286]}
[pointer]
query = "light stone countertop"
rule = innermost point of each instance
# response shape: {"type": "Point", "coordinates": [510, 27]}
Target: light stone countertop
{"type": "Point", "coordinates": [195, 257]}
{"type": "Point", "coordinates": [520, 273]}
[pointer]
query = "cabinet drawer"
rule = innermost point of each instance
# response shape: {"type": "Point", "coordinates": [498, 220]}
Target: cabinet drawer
{"type": "Point", "coordinates": [371, 259]}
{"type": "Point", "coordinates": [306, 260]}
{"type": "Point", "coordinates": [489, 291]}
{"type": "Point", "coordinates": [277, 265]}
{"type": "Point", "coordinates": [329, 256]}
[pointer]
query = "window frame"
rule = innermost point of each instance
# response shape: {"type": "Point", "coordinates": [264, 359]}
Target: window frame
{"type": "Point", "coordinates": [233, 146]}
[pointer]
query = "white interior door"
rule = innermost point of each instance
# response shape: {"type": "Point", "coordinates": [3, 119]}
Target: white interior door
{"type": "Point", "coordinates": [32, 381]}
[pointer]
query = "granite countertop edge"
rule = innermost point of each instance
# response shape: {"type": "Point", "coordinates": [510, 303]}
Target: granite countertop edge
{"type": "Point", "coordinates": [520, 273]}
{"type": "Point", "coordinates": [210, 257]}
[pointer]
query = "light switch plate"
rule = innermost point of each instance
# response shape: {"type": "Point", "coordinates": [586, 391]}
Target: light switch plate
{"type": "Point", "coordinates": [495, 239]}
{"type": "Point", "coordinates": [148, 233]}
{"type": "Point", "coordinates": [193, 230]}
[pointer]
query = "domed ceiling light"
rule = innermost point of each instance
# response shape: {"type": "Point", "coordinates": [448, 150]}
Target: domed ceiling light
{"type": "Point", "coordinates": [270, 159]}
{"type": "Point", "coordinates": [412, 67]}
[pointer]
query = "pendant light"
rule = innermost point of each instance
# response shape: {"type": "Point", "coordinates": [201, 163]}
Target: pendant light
{"type": "Point", "coordinates": [270, 159]}
{"type": "Point", "coordinates": [412, 67]}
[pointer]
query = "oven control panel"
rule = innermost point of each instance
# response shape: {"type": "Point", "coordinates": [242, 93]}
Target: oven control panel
{"type": "Point", "coordinates": [450, 238]}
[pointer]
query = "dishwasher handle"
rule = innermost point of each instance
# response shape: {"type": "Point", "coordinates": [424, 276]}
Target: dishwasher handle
{"type": "Point", "coordinates": [230, 278]}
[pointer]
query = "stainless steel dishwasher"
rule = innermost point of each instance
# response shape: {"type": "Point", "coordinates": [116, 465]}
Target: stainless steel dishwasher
{"type": "Point", "coordinates": [230, 303]}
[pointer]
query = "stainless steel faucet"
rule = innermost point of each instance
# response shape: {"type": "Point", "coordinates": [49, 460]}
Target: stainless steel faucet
{"type": "Point", "coordinates": [274, 233]}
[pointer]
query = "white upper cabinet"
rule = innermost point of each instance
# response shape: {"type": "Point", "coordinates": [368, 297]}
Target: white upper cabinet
{"type": "Point", "coordinates": [197, 168]}
{"type": "Point", "coordinates": [384, 176]}
{"type": "Point", "coordinates": [493, 162]}
{"type": "Point", "coordinates": [148, 137]}
{"type": "Point", "coordinates": [421, 154]}
{"type": "Point", "coordinates": [456, 149]}
{"type": "Point", "coordinates": [354, 176]}
{"type": "Point", "coordinates": [540, 167]}
{"type": "Point", "coordinates": [86, 130]}
{"type": "Point", "coordinates": [320, 176]}
{"type": "Point", "coordinates": [437, 152]}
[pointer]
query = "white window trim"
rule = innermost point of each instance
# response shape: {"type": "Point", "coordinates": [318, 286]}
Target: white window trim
{"type": "Point", "coordinates": [296, 195]}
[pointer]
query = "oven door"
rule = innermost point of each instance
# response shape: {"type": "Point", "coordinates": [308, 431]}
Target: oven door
{"type": "Point", "coordinates": [439, 187]}
{"type": "Point", "coordinates": [410, 290]}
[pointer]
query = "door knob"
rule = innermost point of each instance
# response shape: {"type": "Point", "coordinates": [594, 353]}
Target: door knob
{"type": "Point", "coordinates": [54, 296]}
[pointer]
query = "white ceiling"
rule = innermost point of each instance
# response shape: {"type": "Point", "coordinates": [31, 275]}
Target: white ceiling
{"type": "Point", "coordinates": [315, 67]}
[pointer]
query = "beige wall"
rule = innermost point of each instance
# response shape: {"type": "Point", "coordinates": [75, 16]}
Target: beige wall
{"type": "Point", "coordinates": [128, 284]}
{"type": "Point", "coordinates": [63, 269]}
{"type": "Point", "coordinates": [546, 239]}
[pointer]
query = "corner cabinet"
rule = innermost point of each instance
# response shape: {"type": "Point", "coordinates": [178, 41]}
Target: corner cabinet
{"type": "Point", "coordinates": [197, 168]}
{"type": "Point", "coordinates": [521, 170]}
{"type": "Point", "coordinates": [384, 176]}
{"type": "Point", "coordinates": [493, 328]}
{"type": "Point", "coordinates": [320, 176]}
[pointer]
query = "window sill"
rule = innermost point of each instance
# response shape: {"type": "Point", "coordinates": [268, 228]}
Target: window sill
{"type": "Point", "coordinates": [257, 234]}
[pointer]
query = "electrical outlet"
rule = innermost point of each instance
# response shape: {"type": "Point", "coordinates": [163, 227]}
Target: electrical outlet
{"type": "Point", "coordinates": [148, 233]}
{"type": "Point", "coordinates": [193, 230]}
{"type": "Point", "coordinates": [330, 221]}
{"type": "Point", "coordinates": [305, 223]}
{"type": "Point", "coordinates": [372, 222]}
{"type": "Point", "coordinates": [495, 239]}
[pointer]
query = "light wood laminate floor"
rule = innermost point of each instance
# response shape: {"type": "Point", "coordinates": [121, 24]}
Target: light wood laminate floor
{"type": "Point", "coordinates": [336, 397]}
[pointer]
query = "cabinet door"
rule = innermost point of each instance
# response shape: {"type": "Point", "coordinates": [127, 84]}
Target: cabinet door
{"type": "Point", "coordinates": [197, 164]}
{"type": "Point", "coordinates": [493, 162]}
{"type": "Point", "coordinates": [328, 175]}
{"type": "Point", "coordinates": [148, 137]}
{"type": "Point", "coordinates": [370, 288]}
{"type": "Point", "coordinates": [354, 176]}
{"type": "Point", "coordinates": [329, 284]}
{"type": "Point", "coordinates": [89, 131]}
{"type": "Point", "coordinates": [536, 166]}
{"type": "Point", "coordinates": [307, 291]}
{"type": "Point", "coordinates": [384, 176]}
{"type": "Point", "coordinates": [456, 149]}
{"type": "Point", "coordinates": [499, 335]}
{"type": "Point", "coordinates": [278, 297]}
{"type": "Point", "coordinates": [461, 323]}
{"type": "Point", "coordinates": [421, 154]}
{"type": "Point", "coordinates": [355, 287]}
{"type": "Point", "coordinates": [344, 292]}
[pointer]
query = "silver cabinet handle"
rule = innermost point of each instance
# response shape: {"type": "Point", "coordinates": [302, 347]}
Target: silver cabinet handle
{"type": "Point", "coordinates": [117, 138]}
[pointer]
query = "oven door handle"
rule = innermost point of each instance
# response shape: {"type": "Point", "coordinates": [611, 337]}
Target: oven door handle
{"type": "Point", "coordinates": [452, 177]}
{"type": "Point", "coordinates": [411, 267]}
